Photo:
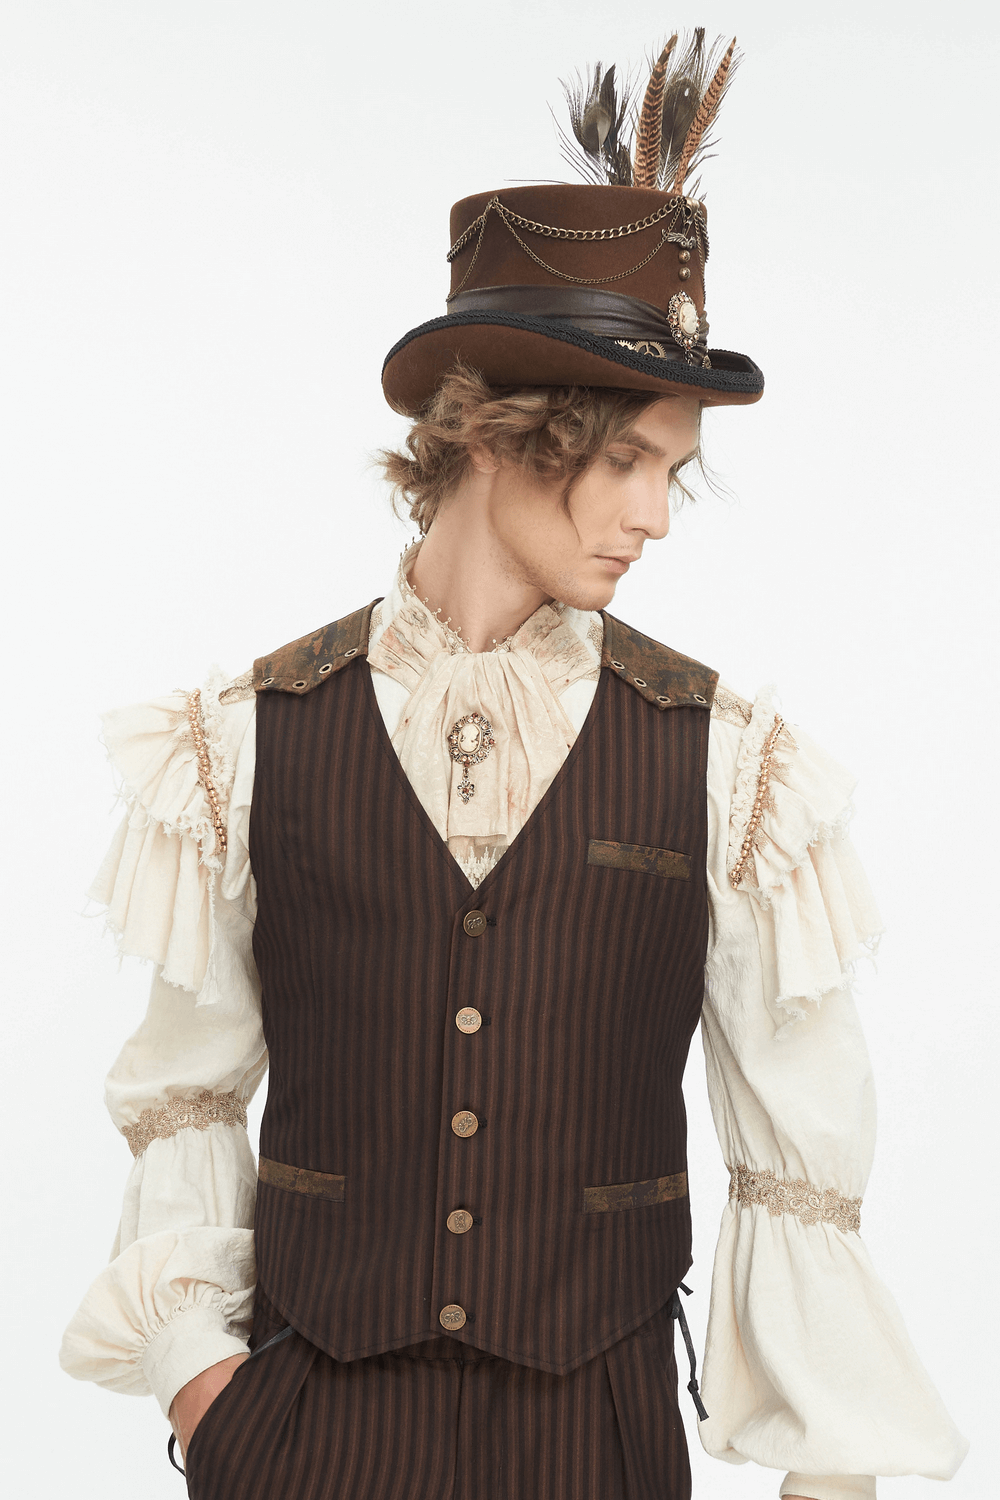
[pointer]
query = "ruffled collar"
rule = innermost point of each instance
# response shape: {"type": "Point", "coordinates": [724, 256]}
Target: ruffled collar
{"type": "Point", "coordinates": [482, 734]}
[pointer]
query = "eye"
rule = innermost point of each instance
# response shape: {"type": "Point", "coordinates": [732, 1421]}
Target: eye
{"type": "Point", "coordinates": [624, 464]}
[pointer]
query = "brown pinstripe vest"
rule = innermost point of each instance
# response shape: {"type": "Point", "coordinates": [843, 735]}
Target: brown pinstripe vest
{"type": "Point", "coordinates": [557, 1126]}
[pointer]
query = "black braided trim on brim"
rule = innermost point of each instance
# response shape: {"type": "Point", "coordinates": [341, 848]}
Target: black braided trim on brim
{"type": "Point", "coordinates": [746, 379]}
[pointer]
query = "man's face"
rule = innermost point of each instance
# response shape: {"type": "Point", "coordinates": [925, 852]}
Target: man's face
{"type": "Point", "coordinates": [576, 549]}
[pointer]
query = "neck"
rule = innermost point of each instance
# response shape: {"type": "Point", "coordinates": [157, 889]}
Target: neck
{"type": "Point", "coordinates": [463, 571]}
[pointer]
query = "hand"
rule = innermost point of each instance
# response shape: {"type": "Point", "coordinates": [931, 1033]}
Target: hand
{"type": "Point", "coordinates": [193, 1400]}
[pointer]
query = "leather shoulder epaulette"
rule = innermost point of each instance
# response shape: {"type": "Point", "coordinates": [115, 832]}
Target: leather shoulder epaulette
{"type": "Point", "coordinates": [664, 677]}
{"type": "Point", "coordinates": [309, 661]}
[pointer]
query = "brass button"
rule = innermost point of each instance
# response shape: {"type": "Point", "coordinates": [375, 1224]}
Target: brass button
{"type": "Point", "coordinates": [475, 923]}
{"type": "Point", "coordinates": [452, 1316]}
{"type": "Point", "coordinates": [459, 1221]}
{"type": "Point", "coordinates": [468, 1020]}
{"type": "Point", "coordinates": [464, 1123]}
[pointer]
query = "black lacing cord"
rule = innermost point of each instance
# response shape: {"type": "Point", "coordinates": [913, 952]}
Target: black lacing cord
{"type": "Point", "coordinates": [171, 1445]}
{"type": "Point", "coordinates": [172, 1439]}
{"type": "Point", "coordinates": [677, 1311]}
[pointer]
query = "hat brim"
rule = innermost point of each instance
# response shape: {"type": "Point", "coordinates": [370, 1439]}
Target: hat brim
{"type": "Point", "coordinates": [510, 349]}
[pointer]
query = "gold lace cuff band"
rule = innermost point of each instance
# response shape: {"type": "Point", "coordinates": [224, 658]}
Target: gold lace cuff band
{"type": "Point", "coordinates": [810, 1204]}
{"type": "Point", "coordinates": [184, 1114]}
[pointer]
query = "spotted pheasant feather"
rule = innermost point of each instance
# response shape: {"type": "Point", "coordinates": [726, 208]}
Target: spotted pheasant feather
{"type": "Point", "coordinates": [706, 113]}
{"type": "Point", "coordinates": [649, 135]}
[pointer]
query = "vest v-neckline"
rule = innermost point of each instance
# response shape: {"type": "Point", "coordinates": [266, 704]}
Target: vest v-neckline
{"type": "Point", "coordinates": [545, 801]}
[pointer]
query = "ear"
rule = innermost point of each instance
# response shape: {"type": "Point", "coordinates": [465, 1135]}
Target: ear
{"type": "Point", "coordinates": [482, 460]}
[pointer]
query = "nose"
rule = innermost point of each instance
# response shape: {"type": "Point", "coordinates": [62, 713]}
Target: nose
{"type": "Point", "coordinates": [650, 512]}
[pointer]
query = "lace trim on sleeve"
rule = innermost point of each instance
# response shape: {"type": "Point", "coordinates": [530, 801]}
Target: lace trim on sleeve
{"type": "Point", "coordinates": [239, 690]}
{"type": "Point", "coordinates": [778, 1195]}
{"type": "Point", "coordinates": [731, 707]}
{"type": "Point", "coordinates": [159, 1123]}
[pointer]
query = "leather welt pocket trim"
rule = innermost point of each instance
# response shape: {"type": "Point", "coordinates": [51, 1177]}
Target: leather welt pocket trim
{"type": "Point", "coordinates": [606, 1200]}
{"type": "Point", "coordinates": [641, 857]}
{"type": "Point", "coordinates": [278, 1174]}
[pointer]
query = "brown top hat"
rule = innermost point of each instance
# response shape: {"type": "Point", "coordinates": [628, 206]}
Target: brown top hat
{"type": "Point", "coordinates": [596, 285]}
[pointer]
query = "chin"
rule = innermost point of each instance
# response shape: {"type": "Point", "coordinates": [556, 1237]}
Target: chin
{"type": "Point", "coordinates": [587, 596]}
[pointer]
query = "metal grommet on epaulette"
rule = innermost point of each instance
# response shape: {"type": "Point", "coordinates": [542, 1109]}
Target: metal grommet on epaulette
{"type": "Point", "coordinates": [267, 682]}
{"type": "Point", "coordinates": [619, 664]}
{"type": "Point", "coordinates": [698, 698]}
{"type": "Point", "coordinates": [662, 698]}
{"type": "Point", "coordinates": [638, 682]}
{"type": "Point", "coordinates": [301, 683]}
{"type": "Point", "coordinates": [352, 652]}
{"type": "Point", "coordinates": [326, 667]}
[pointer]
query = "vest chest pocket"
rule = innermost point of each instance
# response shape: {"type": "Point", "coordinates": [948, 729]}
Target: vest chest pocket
{"type": "Point", "coordinates": [619, 1195]}
{"type": "Point", "coordinates": [279, 1174]}
{"type": "Point", "coordinates": [667, 863]}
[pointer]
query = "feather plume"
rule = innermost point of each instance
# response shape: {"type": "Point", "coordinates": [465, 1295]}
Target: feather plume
{"type": "Point", "coordinates": [649, 132]}
{"type": "Point", "coordinates": [694, 141]}
{"type": "Point", "coordinates": [597, 115]}
{"type": "Point", "coordinates": [671, 132]}
{"type": "Point", "coordinates": [683, 88]}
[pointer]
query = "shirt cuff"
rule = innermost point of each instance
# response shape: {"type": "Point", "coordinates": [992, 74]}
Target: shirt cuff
{"type": "Point", "coordinates": [829, 1487]}
{"type": "Point", "coordinates": [194, 1339]}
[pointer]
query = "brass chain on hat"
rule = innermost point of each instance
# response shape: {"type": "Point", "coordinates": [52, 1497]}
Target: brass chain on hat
{"type": "Point", "coordinates": [671, 209]}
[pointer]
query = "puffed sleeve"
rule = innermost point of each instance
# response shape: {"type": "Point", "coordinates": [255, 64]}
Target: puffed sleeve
{"type": "Point", "coordinates": [176, 1296]}
{"type": "Point", "coordinates": [808, 1366]}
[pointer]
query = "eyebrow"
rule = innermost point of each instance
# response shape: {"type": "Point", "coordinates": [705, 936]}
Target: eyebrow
{"type": "Point", "coordinates": [634, 440]}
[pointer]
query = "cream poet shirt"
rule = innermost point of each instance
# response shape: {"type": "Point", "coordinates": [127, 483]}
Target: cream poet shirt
{"type": "Point", "coordinates": [808, 1367]}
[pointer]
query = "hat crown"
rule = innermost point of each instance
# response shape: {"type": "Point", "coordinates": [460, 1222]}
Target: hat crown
{"type": "Point", "coordinates": [637, 242]}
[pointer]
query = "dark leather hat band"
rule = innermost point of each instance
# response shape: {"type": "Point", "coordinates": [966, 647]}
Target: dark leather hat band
{"type": "Point", "coordinates": [610, 315]}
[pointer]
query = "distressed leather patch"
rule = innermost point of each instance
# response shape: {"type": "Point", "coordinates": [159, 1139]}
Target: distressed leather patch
{"type": "Point", "coordinates": [617, 1195]}
{"type": "Point", "coordinates": [278, 1174]}
{"type": "Point", "coordinates": [661, 675]}
{"type": "Point", "coordinates": [306, 663]}
{"type": "Point", "coordinates": [642, 857]}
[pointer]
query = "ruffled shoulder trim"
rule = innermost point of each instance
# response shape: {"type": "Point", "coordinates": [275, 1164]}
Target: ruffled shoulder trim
{"type": "Point", "coordinates": [789, 849]}
{"type": "Point", "coordinates": [176, 759]}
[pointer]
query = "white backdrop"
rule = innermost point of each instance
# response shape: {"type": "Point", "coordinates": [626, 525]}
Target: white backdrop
{"type": "Point", "coordinates": [219, 216]}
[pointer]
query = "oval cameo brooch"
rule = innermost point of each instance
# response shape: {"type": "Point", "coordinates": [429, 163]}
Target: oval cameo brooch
{"type": "Point", "coordinates": [682, 315]}
{"type": "Point", "coordinates": [469, 743]}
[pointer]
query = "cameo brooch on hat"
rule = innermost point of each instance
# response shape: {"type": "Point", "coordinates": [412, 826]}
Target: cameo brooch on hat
{"type": "Point", "coordinates": [682, 315]}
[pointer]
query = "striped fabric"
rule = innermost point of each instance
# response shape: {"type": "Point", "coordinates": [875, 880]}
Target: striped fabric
{"type": "Point", "coordinates": [589, 981]}
{"type": "Point", "coordinates": [442, 1421]}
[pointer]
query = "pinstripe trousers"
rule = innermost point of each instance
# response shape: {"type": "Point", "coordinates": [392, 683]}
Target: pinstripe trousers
{"type": "Point", "coordinates": [443, 1421]}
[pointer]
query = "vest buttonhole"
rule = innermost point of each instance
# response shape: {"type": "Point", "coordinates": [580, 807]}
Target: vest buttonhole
{"type": "Point", "coordinates": [491, 921]}
{"type": "Point", "coordinates": [475, 1220]}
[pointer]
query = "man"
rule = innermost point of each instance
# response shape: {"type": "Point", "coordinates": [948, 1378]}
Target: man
{"type": "Point", "coordinates": [467, 866]}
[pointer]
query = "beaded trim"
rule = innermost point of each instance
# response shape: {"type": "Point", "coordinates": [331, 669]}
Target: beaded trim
{"type": "Point", "coordinates": [457, 645]}
{"type": "Point", "coordinates": [160, 1123]}
{"type": "Point", "coordinates": [810, 1204]}
{"type": "Point", "coordinates": [759, 802]}
{"type": "Point", "coordinates": [205, 766]}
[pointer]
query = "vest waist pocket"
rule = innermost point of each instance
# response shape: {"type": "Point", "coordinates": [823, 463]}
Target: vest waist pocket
{"type": "Point", "coordinates": [617, 1195]}
{"type": "Point", "coordinates": [279, 1174]}
{"type": "Point", "coordinates": [648, 860]}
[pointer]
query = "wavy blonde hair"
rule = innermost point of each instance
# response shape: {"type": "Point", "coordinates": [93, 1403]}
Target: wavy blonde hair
{"type": "Point", "coordinates": [553, 433]}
